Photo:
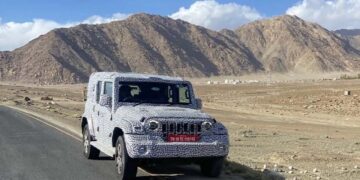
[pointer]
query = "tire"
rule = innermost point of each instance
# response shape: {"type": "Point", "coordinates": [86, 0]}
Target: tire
{"type": "Point", "coordinates": [212, 167]}
{"type": "Point", "coordinates": [126, 167]}
{"type": "Point", "coordinates": [90, 152]}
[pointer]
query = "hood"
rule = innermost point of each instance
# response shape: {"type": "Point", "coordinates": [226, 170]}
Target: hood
{"type": "Point", "coordinates": [141, 111]}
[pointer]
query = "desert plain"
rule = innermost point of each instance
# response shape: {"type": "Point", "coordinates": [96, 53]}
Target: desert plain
{"type": "Point", "coordinates": [302, 128]}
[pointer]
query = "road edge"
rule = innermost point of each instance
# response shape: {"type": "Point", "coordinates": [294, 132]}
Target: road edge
{"type": "Point", "coordinates": [53, 123]}
{"type": "Point", "coordinates": [49, 121]}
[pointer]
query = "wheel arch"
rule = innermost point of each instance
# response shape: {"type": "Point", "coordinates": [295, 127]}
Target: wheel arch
{"type": "Point", "coordinates": [84, 122]}
{"type": "Point", "coordinates": [116, 133]}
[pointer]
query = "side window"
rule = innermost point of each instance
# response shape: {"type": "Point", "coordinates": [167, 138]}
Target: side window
{"type": "Point", "coordinates": [108, 88]}
{"type": "Point", "coordinates": [184, 94]}
{"type": "Point", "coordinates": [98, 89]}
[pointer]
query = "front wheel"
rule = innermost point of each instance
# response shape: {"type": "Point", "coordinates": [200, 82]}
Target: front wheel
{"type": "Point", "coordinates": [90, 152]}
{"type": "Point", "coordinates": [212, 167]}
{"type": "Point", "coordinates": [126, 167]}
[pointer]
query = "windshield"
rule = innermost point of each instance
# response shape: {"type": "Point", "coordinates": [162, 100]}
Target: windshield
{"type": "Point", "coordinates": [154, 92]}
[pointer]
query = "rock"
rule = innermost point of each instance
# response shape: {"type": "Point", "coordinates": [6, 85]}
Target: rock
{"type": "Point", "coordinates": [276, 168]}
{"type": "Point", "coordinates": [52, 102]}
{"type": "Point", "coordinates": [27, 99]}
{"type": "Point", "coordinates": [356, 167]}
{"type": "Point", "coordinates": [293, 157]}
{"type": "Point", "coordinates": [290, 172]}
{"type": "Point", "coordinates": [46, 98]}
{"type": "Point", "coordinates": [271, 175]}
{"type": "Point", "coordinates": [291, 168]}
{"type": "Point", "coordinates": [347, 93]}
{"type": "Point", "coordinates": [315, 170]}
{"type": "Point", "coordinates": [77, 116]}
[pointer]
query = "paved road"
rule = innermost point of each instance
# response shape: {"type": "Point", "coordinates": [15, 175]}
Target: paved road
{"type": "Point", "coordinates": [30, 149]}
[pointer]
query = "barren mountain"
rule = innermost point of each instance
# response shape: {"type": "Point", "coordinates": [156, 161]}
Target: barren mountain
{"type": "Point", "coordinates": [288, 43]}
{"type": "Point", "coordinates": [154, 44]}
{"type": "Point", "coordinates": [142, 43]}
{"type": "Point", "coordinates": [352, 35]}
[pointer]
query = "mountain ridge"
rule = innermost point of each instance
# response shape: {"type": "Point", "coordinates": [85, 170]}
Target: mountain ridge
{"type": "Point", "coordinates": [154, 44]}
{"type": "Point", "coordinates": [351, 35]}
{"type": "Point", "coordinates": [288, 43]}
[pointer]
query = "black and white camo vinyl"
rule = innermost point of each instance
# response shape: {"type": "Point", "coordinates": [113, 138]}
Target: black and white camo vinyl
{"type": "Point", "coordinates": [141, 142]}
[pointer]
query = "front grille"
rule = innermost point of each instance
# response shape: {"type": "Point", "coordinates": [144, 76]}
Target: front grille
{"type": "Point", "coordinates": [180, 128]}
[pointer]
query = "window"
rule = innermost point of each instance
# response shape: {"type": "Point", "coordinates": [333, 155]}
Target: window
{"type": "Point", "coordinates": [154, 93]}
{"type": "Point", "coordinates": [184, 94]}
{"type": "Point", "coordinates": [108, 88]}
{"type": "Point", "coordinates": [98, 89]}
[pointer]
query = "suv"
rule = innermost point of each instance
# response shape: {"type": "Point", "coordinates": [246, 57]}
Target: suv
{"type": "Point", "coordinates": [145, 119]}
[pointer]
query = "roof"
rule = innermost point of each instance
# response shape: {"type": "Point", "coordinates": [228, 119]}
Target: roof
{"type": "Point", "coordinates": [111, 75]}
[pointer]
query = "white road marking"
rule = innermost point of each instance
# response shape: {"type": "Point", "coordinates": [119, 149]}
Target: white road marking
{"type": "Point", "coordinates": [50, 125]}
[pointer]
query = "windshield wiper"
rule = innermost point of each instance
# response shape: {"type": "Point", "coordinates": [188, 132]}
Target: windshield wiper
{"type": "Point", "coordinates": [141, 102]}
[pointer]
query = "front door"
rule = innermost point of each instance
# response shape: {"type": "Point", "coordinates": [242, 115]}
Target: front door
{"type": "Point", "coordinates": [106, 115]}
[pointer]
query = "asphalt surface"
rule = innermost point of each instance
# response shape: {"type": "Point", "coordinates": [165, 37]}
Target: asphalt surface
{"type": "Point", "coordinates": [30, 149]}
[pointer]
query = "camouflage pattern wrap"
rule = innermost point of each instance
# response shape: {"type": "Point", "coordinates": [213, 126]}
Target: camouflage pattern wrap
{"type": "Point", "coordinates": [141, 142]}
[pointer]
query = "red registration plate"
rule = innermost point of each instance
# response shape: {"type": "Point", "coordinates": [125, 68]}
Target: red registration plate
{"type": "Point", "coordinates": [183, 138]}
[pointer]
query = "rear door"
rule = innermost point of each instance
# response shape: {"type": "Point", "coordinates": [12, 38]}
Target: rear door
{"type": "Point", "coordinates": [96, 120]}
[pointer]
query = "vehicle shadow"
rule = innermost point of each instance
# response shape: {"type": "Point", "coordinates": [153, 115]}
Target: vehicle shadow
{"type": "Point", "coordinates": [105, 158]}
{"type": "Point", "coordinates": [232, 170]}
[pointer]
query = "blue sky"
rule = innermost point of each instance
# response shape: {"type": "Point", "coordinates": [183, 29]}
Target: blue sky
{"type": "Point", "coordinates": [76, 10]}
{"type": "Point", "coordinates": [24, 20]}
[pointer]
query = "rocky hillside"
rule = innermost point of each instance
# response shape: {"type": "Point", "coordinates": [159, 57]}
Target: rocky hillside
{"type": "Point", "coordinates": [154, 44]}
{"type": "Point", "coordinates": [142, 43]}
{"type": "Point", "coordinates": [288, 43]}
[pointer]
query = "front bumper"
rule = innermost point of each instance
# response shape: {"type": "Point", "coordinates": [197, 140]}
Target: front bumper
{"type": "Point", "coordinates": [145, 146]}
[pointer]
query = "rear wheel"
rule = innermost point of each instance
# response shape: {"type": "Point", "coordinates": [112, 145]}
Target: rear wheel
{"type": "Point", "coordinates": [90, 152]}
{"type": "Point", "coordinates": [212, 167]}
{"type": "Point", "coordinates": [126, 167]}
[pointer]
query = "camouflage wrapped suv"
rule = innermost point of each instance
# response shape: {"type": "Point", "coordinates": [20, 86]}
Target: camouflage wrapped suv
{"type": "Point", "coordinates": [141, 119]}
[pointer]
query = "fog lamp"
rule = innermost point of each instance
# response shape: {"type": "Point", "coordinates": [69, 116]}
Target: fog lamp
{"type": "Point", "coordinates": [207, 125]}
{"type": "Point", "coordinates": [142, 149]}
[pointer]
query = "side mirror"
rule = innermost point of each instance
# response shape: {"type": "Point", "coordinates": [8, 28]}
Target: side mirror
{"type": "Point", "coordinates": [105, 100]}
{"type": "Point", "coordinates": [199, 103]}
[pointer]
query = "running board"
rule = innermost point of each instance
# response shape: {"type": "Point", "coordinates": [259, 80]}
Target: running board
{"type": "Point", "coordinates": [106, 150]}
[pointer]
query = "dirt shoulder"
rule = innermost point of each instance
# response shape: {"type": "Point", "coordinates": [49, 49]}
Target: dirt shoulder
{"type": "Point", "coordinates": [301, 130]}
